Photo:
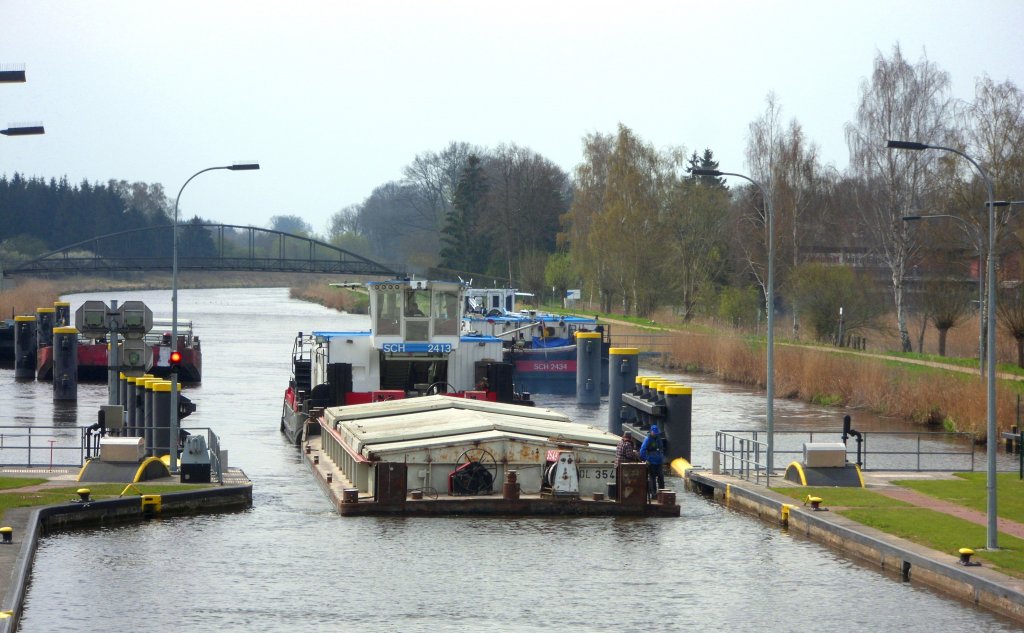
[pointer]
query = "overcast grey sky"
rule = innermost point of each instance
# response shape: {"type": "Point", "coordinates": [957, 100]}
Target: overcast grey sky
{"type": "Point", "coordinates": [335, 98]}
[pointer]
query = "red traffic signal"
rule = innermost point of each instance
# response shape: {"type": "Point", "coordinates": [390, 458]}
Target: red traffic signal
{"type": "Point", "coordinates": [175, 359]}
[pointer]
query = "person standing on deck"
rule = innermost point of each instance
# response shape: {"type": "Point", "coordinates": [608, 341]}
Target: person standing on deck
{"type": "Point", "coordinates": [625, 452]}
{"type": "Point", "coordinates": [652, 451]}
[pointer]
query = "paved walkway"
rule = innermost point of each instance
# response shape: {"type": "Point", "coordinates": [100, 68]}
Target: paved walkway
{"type": "Point", "coordinates": [1006, 526]}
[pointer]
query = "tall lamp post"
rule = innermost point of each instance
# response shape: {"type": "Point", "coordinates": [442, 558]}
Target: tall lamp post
{"type": "Point", "coordinates": [173, 436]}
{"type": "Point", "coordinates": [981, 286]}
{"type": "Point", "coordinates": [992, 540]}
{"type": "Point", "coordinates": [770, 307]}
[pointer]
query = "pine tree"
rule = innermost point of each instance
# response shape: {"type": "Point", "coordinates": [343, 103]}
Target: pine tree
{"type": "Point", "coordinates": [462, 236]}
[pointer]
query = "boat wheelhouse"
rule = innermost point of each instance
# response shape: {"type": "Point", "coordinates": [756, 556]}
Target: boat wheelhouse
{"type": "Point", "coordinates": [414, 347]}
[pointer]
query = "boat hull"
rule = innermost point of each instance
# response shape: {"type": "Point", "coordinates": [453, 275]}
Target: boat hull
{"type": "Point", "coordinates": [92, 364]}
{"type": "Point", "coordinates": [292, 422]}
{"type": "Point", "coordinates": [550, 370]}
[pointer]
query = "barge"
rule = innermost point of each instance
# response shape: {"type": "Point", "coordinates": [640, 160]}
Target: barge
{"type": "Point", "coordinates": [540, 346]}
{"type": "Point", "coordinates": [443, 456]}
{"type": "Point", "coordinates": [92, 355]}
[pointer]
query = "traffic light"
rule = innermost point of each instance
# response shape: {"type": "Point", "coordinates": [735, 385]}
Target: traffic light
{"type": "Point", "coordinates": [175, 361]}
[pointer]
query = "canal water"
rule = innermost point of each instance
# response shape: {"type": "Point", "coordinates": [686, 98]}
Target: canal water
{"type": "Point", "coordinates": [290, 563]}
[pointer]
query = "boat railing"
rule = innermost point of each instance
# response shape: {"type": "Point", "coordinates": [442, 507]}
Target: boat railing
{"type": "Point", "coordinates": [745, 451]}
{"type": "Point", "coordinates": [354, 466]}
{"type": "Point", "coordinates": [70, 446]}
{"type": "Point", "coordinates": [164, 326]}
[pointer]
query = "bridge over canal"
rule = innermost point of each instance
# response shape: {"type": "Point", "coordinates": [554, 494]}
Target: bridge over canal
{"type": "Point", "coordinates": [201, 247]}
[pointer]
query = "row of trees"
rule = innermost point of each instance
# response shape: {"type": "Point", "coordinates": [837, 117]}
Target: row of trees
{"type": "Point", "coordinates": [637, 231]}
{"type": "Point", "coordinates": [39, 216]}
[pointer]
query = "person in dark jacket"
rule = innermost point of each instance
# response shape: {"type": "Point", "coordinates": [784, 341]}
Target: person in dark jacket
{"type": "Point", "coordinates": [625, 452]}
{"type": "Point", "coordinates": [652, 451]}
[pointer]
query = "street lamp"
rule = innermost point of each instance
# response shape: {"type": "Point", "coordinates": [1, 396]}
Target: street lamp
{"type": "Point", "coordinates": [12, 74]}
{"type": "Point", "coordinates": [27, 129]}
{"type": "Point", "coordinates": [981, 286]}
{"type": "Point", "coordinates": [770, 306]}
{"type": "Point", "coordinates": [172, 449]}
{"type": "Point", "coordinates": [992, 540]}
{"type": "Point", "coordinates": [16, 75]}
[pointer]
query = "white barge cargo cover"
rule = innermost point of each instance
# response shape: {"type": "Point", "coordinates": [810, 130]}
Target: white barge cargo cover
{"type": "Point", "coordinates": [433, 435]}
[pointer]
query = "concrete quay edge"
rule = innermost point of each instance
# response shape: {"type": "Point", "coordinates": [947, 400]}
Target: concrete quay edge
{"type": "Point", "coordinates": [979, 585]}
{"type": "Point", "coordinates": [30, 523]}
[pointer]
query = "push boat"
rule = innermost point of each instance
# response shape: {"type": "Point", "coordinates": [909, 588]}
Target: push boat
{"type": "Point", "coordinates": [416, 417]}
{"type": "Point", "coordinates": [414, 347]}
{"type": "Point", "coordinates": [92, 355]}
{"type": "Point", "coordinates": [540, 346]}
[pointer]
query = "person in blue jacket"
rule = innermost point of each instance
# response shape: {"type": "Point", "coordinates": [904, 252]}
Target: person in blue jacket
{"type": "Point", "coordinates": [652, 451]}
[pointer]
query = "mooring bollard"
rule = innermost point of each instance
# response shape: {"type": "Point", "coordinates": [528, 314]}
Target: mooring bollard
{"type": "Point", "coordinates": [330, 478]}
{"type": "Point", "coordinates": [8, 534]}
{"type": "Point", "coordinates": [83, 494]}
{"type": "Point", "coordinates": [815, 503]}
{"type": "Point", "coordinates": [510, 489]}
{"type": "Point", "coordinates": [965, 557]}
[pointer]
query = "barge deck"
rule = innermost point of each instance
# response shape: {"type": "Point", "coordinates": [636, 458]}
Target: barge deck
{"type": "Point", "coordinates": [348, 501]}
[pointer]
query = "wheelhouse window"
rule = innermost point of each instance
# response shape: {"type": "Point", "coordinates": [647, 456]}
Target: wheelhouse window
{"type": "Point", "coordinates": [389, 312]}
{"type": "Point", "coordinates": [446, 313]}
{"type": "Point", "coordinates": [417, 308]}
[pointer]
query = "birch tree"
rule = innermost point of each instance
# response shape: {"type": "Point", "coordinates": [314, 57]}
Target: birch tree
{"type": "Point", "coordinates": [907, 102]}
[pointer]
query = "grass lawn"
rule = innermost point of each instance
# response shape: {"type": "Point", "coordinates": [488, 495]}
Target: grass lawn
{"type": "Point", "coordinates": [968, 490]}
{"type": "Point", "coordinates": [932, 529]}
{"type": "Point", "coordinates": [51, 496]}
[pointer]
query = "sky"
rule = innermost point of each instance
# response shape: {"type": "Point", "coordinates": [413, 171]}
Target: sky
{"type": "Point", "coordinates": [335, 98]}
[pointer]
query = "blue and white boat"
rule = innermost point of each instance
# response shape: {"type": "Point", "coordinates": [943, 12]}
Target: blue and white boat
{"type": "Point", "coordinates": [415, 346]}
{"type": "Point", "coordinates": [540, 346]}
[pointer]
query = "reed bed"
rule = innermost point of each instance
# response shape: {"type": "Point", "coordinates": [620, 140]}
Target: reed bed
{"type": "Point", "coordinates": [26, 297]}
{"type": "Point", "coordinates": [921, 394]}
{"type": "Point", "coordinates": [342, 299]}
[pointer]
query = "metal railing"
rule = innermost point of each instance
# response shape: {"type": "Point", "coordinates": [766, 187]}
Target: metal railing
{"type": "Point", "coordinates": [70, 447]}
{"type": "Point", "coordinates": [744, 453]}
{"type": "Point", "coordinates": [742, 457]}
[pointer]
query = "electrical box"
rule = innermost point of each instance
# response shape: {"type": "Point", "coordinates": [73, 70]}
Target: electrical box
{"type": "Point", "coordinates": [825, 455]}
{"type": "Point", "coordinates": [122, 449]}
{"type": "Point", "coordinates": [195, 461]}
{"type": "Point", "coordinates": [112, 416]}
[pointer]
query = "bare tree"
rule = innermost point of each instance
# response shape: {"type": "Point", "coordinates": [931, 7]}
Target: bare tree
{"type": "Point", "coordinates": [1010, 310]}
{"type": "Point", "coordinates": [434, 176]}
{"type": "Point", "coordinates": [786, 163]}
{"type": "Point", "coordinates": [528, 194]}
{"type": "Point", "coordinates": [899, 101]}
{"type": "Point", "coordinates": [947, 302]}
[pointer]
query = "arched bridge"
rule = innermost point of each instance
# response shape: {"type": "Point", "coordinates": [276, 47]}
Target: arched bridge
{"type": "Point", "coordinates": [208, 247]}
